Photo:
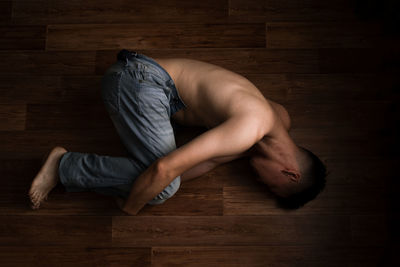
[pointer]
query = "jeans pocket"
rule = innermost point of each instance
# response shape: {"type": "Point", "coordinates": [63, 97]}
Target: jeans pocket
{"type": "Point", "coordinates": [110, 91]}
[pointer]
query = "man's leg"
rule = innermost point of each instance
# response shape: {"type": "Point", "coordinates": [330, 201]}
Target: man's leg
{"type": "Point", "coordinates": [138, 109]}
{"type": "Point", "coordinates": [98, 173]}
{"type": "Point", "coordinates": [144, 123]}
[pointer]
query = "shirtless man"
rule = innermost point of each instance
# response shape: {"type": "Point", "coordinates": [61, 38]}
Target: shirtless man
{"type": "Point", "coordinates": [241, 123]}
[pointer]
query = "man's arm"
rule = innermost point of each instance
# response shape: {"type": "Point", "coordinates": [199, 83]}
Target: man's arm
{"type": "Point", "coordinates": [208, 165]}
{"type": "Point", "coordinates": [233, 136]}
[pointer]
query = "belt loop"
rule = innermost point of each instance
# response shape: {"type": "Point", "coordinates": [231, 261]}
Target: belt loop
{"type": "Point", "coordinates": [126, 55]}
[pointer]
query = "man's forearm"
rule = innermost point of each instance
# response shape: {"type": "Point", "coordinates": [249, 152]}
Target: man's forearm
{"type": "Point", "coordinates": [147, 186]}
{"type": "Point", "coordinates": [208, 165]}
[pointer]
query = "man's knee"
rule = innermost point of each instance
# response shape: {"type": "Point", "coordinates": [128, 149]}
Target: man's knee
{"type": "Point", "coordinates": [167, 193]}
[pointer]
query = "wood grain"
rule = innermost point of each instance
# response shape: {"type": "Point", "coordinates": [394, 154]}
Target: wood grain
{"type": "Point", "coordinates": [266, 255]}
{"type": "Point", "coordinates": [75, 255]}
{"type": "Point", "coordinates": [5, 11]}
{"type": "Point", "coordinates": [73, 37]}
{"type": "Point", "coordinates": [12, 117]}
{"type": "Point", "coordinates": [292, 10]}
{"type": "Point", "coordinates": [22, 37]}
{"type": "Point", "coordinates": [333, 64]}
{"type": "Point", "coordinates": [47, 62]}
{"type": "Point", "coordinates": [323, 35]}
{"type": "Point", "coordinates": [118, 11]}
{"type": "Point", "coordinates": [54, 230]}
{"type": "Point", "coordinates": [229, 230]}
{"type": "Point", "coordinates": [50, 89]}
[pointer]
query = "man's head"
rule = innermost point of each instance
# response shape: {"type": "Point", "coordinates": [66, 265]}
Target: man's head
{"type": "Point", "coordinates": [294, 174]}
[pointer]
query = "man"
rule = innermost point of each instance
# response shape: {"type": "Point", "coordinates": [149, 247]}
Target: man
{"type": "Point", "coordinates": [145, 97]}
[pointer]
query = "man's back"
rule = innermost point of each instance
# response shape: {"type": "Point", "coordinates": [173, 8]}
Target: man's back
{"type": "Point", "coordinates": [211, 93]}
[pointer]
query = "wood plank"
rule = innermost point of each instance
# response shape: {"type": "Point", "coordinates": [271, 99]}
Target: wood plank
{"type": "Point", "coordinates": [154, 35]}
{"type": "Point", "coordinates": [89, 116]}
{"type": "Point", "coordinates": [55, 230]}
{"type": "Point", "coordinates": [47, 63]}
{"type": "Point", "coordinates": [119, 11]}
{"type": "Point", "coordinates": [22, 37]}
{"type": "Point", "coordinates": [361, 171]}
{"type": "Point", "coordinates": [12, 117]}
{"type": "Point", "coordinates": [342, 143]}
{"type": "Point", "coordinates": [349, 200]}
{"type": "Point", "coordinates": [266, 255]}
{"type": "Point", "coordinates": [189, 201]}
{"type": "Point", "coordinates": [324, 88]}
{"type": "Point", "coordinates": [229, 230]}
{"type": "Point", "coordinates": [74, 255]}
{"type": "Point", "coordinates": [352, 60]}
{"type": "Point", "coordinates": [30, 144]}
{"type": "Point", "coordinates": [291, 10]}
{"type": "Point", "coordinates": [344, 114]}
{"type": "Point", "coordinates": [369, 229]}
{"type": "Point", "coordinates": [252, 60]}
{"type": "Point", "coordinates": [5, 11]}
{"type": "Point", "coordinates": [323, 35]}
{"type": "Point", "coordinates": [42, 89]}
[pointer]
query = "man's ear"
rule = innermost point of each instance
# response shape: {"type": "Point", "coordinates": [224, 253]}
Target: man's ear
{"type": "Point", "coordinates": [293, 175]}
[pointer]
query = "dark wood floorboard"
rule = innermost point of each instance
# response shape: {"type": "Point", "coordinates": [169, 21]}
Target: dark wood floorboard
{"type": "Point", "coordinates": [292, 10]}
{"type": "Point", "coordinates": [118, 11]}
{"type": "Point", "coordinates": [333, 64]}
{"type": "Point", "coordinates": [47, 62]}
{"type": "Point", "coordinates": [323, 35]}
{"type": "Point", "coordinates": [255, 256]}
{"type": "Point", "coordinates": [231, 230]}
{"type": "Point", "coordinates": [72, 37]}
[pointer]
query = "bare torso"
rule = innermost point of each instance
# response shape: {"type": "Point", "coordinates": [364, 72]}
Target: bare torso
{"type": "Point", "coordinates": [211, 93]}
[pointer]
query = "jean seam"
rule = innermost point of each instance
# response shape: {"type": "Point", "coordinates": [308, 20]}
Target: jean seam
{"type": "Point", "coordinates": [60, 171]}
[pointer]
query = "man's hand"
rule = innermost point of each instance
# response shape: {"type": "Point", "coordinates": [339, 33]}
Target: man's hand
{"type": "Point", "coordinates": [147, 186]}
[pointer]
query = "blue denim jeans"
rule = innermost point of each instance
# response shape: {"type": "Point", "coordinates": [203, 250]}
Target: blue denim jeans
{"type": "Point", "coordinates": [140, 97]}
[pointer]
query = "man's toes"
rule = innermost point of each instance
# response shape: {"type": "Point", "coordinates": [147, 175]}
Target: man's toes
{"type": "Point", "coordinates": [34, 199]}
{"type": "Point", "coordinates": [36, 202]}
{"type": "Point", "coordinates": [39, 197]}
{"type": "Point", "coordinates": [34, 196]}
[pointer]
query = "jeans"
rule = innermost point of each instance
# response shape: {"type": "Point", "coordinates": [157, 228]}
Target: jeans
{"type": "Point", "coordinates": [140, 97]}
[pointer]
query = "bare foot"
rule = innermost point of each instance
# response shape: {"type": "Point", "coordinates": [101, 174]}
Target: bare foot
{"type": "Point", "coordinates": [47, 178]}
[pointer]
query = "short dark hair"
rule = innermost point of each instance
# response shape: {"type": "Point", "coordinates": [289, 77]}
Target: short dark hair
{"type": "Point", "coordinates": [313, 183]}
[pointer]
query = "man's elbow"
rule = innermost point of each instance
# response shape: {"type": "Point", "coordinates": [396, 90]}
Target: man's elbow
{"type": "Point", "coordinates": [164, 177]}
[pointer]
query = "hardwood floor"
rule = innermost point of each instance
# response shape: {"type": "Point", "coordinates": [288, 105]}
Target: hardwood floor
{"type": "Point", "coordinates": [332, 64]}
